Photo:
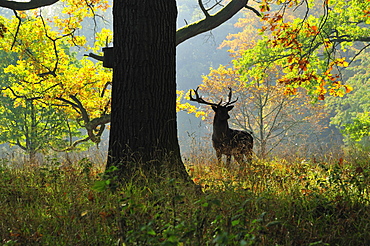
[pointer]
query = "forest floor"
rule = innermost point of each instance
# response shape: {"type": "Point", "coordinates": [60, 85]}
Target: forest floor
{"type": "Point", "coordinates": [283, 201]}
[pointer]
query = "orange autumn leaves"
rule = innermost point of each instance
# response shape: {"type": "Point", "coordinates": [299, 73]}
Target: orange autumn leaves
{"type": "Point", "coordinates": [311, 43]}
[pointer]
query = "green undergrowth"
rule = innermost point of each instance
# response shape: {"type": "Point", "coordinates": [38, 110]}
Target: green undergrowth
{"type": "Point", "coordinates": [277, 202]}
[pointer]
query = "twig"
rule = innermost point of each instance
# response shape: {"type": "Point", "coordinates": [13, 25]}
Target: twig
{"type": "Point", "coordinates": [17, 30]}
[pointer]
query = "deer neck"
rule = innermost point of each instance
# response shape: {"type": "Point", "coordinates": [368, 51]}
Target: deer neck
{"type": "Point", "coordinates": [220, 129]}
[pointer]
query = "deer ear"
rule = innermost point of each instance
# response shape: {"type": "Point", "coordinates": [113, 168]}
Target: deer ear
{"type": "Point", "coordinates": [229, 108]}
{"type": "Point", "coordinates": [214, 108]}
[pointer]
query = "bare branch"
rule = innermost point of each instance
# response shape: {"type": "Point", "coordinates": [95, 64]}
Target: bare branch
{"type": "Point", "coordinates": [96, 57]}
{"type": "Point", "coordinates": [205, 12]}
{"type": "Point", "coordinates": [218, 3]}
{"type": "Point", "coordinates": [72, 146]}
{"type": "Point", "coordinates": [17, 30]}
{"type": "Point", "coordinates": [102, 120]}
{"type": "Point", "coordinates": [105, 88]}
{"type": "Point", "coordinates": [253, 10]}
{"type": "Point", "coordinates": [358, 53]}
{"type": "Point", "coordinates": [54, 40]}
{"type": "Point", "coordinates": [210, 22]}
{"type": "Point", "coordinates": [90, 127]}
{"type": "Point", "coordinates": [19, 96]}
{"type": "Point", "coordinates": [74, 105]}
{"type": "Point", "coordinates": [32, 4]}
{"type": "Point", "coordinates": [84, 114]}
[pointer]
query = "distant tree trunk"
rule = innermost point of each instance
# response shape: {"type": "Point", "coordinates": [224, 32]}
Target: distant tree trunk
{"type": "Point", "coordinates": [143, 123]}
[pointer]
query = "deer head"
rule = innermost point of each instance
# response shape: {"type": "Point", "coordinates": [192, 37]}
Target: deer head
{"type": "Point", "coordinates": [221, 109]}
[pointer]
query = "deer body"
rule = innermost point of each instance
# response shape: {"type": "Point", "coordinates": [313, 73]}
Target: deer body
{"type": "Point", "coordinates": [227, 141]}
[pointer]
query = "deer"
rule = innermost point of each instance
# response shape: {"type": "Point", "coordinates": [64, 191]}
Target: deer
{"type": "Point", "coordinates": [227, 141]}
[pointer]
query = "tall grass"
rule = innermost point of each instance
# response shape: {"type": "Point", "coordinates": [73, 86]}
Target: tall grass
{"type": "Point", "coordinates": [283, 201]}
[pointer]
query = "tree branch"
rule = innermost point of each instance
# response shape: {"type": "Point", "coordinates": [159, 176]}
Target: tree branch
{"type": "Point", "coordinates": [72, 146]}
{"type": "Point", "coordinates": [32, 4]}
{"type": "Point", "coordinates": [96, 57]}
{"type": "Point", "coordinates": [253, 10]}
{"type": "Point", "coordinates": [17, 30]}
{"type": "Point", "coordinates": [91, 125]}
{"type": "Point", "coordinates": [210, 22]}
{"type": "Point", "coordinates": [205, 12]}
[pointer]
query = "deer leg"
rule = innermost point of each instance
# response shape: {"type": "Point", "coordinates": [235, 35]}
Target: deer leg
{"type": "Point", "coordinates": [219, 156]}
{"type": "Point", "coordinates": [239, 159]}
{"type": "Point", "coordinates": [228, 160]}
{"type": "Point", "coordinates": [249, 157]}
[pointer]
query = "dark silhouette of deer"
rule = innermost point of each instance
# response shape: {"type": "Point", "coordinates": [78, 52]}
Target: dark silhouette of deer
{"type": "Point", "coordinates": [227, 141]}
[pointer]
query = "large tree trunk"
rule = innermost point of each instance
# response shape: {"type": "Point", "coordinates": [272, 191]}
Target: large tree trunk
{"type": "Point", "coordinates": [143, 130]}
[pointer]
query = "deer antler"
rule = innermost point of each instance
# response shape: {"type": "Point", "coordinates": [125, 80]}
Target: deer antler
{"type": "Point", "coordinates": [201, 100]}
{"type": "Point", "coordinates": [229, 98]}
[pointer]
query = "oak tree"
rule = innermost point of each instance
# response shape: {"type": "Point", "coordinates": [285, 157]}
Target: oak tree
{"type": "Point", "coordinates": [143, 114]}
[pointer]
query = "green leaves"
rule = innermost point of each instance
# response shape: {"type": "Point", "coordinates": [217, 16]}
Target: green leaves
{"type": "Point", "coordinates": [311, 50]}
{"type": "Point", "coordinates": [359, 128]}
{"type": "Point", "coordinates": [352, 111]}
{"type": "Point", "coordinates": [65, 93]}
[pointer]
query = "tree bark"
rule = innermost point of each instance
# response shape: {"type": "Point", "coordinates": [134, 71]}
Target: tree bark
{"type": "Point", "coordinates": [143, 117]}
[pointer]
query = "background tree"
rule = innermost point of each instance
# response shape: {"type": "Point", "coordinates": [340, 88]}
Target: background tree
{"type": "Point", "coordinates": [279, 122]}
{"type": "Point", "coordinates": [351, 113]}
{"type": "Point", "coordinates": [263, 53]}
{"type": "Point", "coordinates": [34, 128]}
{"type": "Point", "coordinates": [310, 50]}
{"type": "Point", "coordinates": [45, 72]}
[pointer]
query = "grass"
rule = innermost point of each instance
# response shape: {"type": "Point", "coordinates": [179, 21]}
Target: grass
{"type": "Point", "coordinates": [276, 202]}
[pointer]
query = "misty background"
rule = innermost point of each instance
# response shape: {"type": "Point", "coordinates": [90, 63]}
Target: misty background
{"type": "Point", "coordinates": [194, 59]}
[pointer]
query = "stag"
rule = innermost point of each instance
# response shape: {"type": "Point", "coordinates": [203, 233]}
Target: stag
{"type": "Point", "coordinates": [227, 141]}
